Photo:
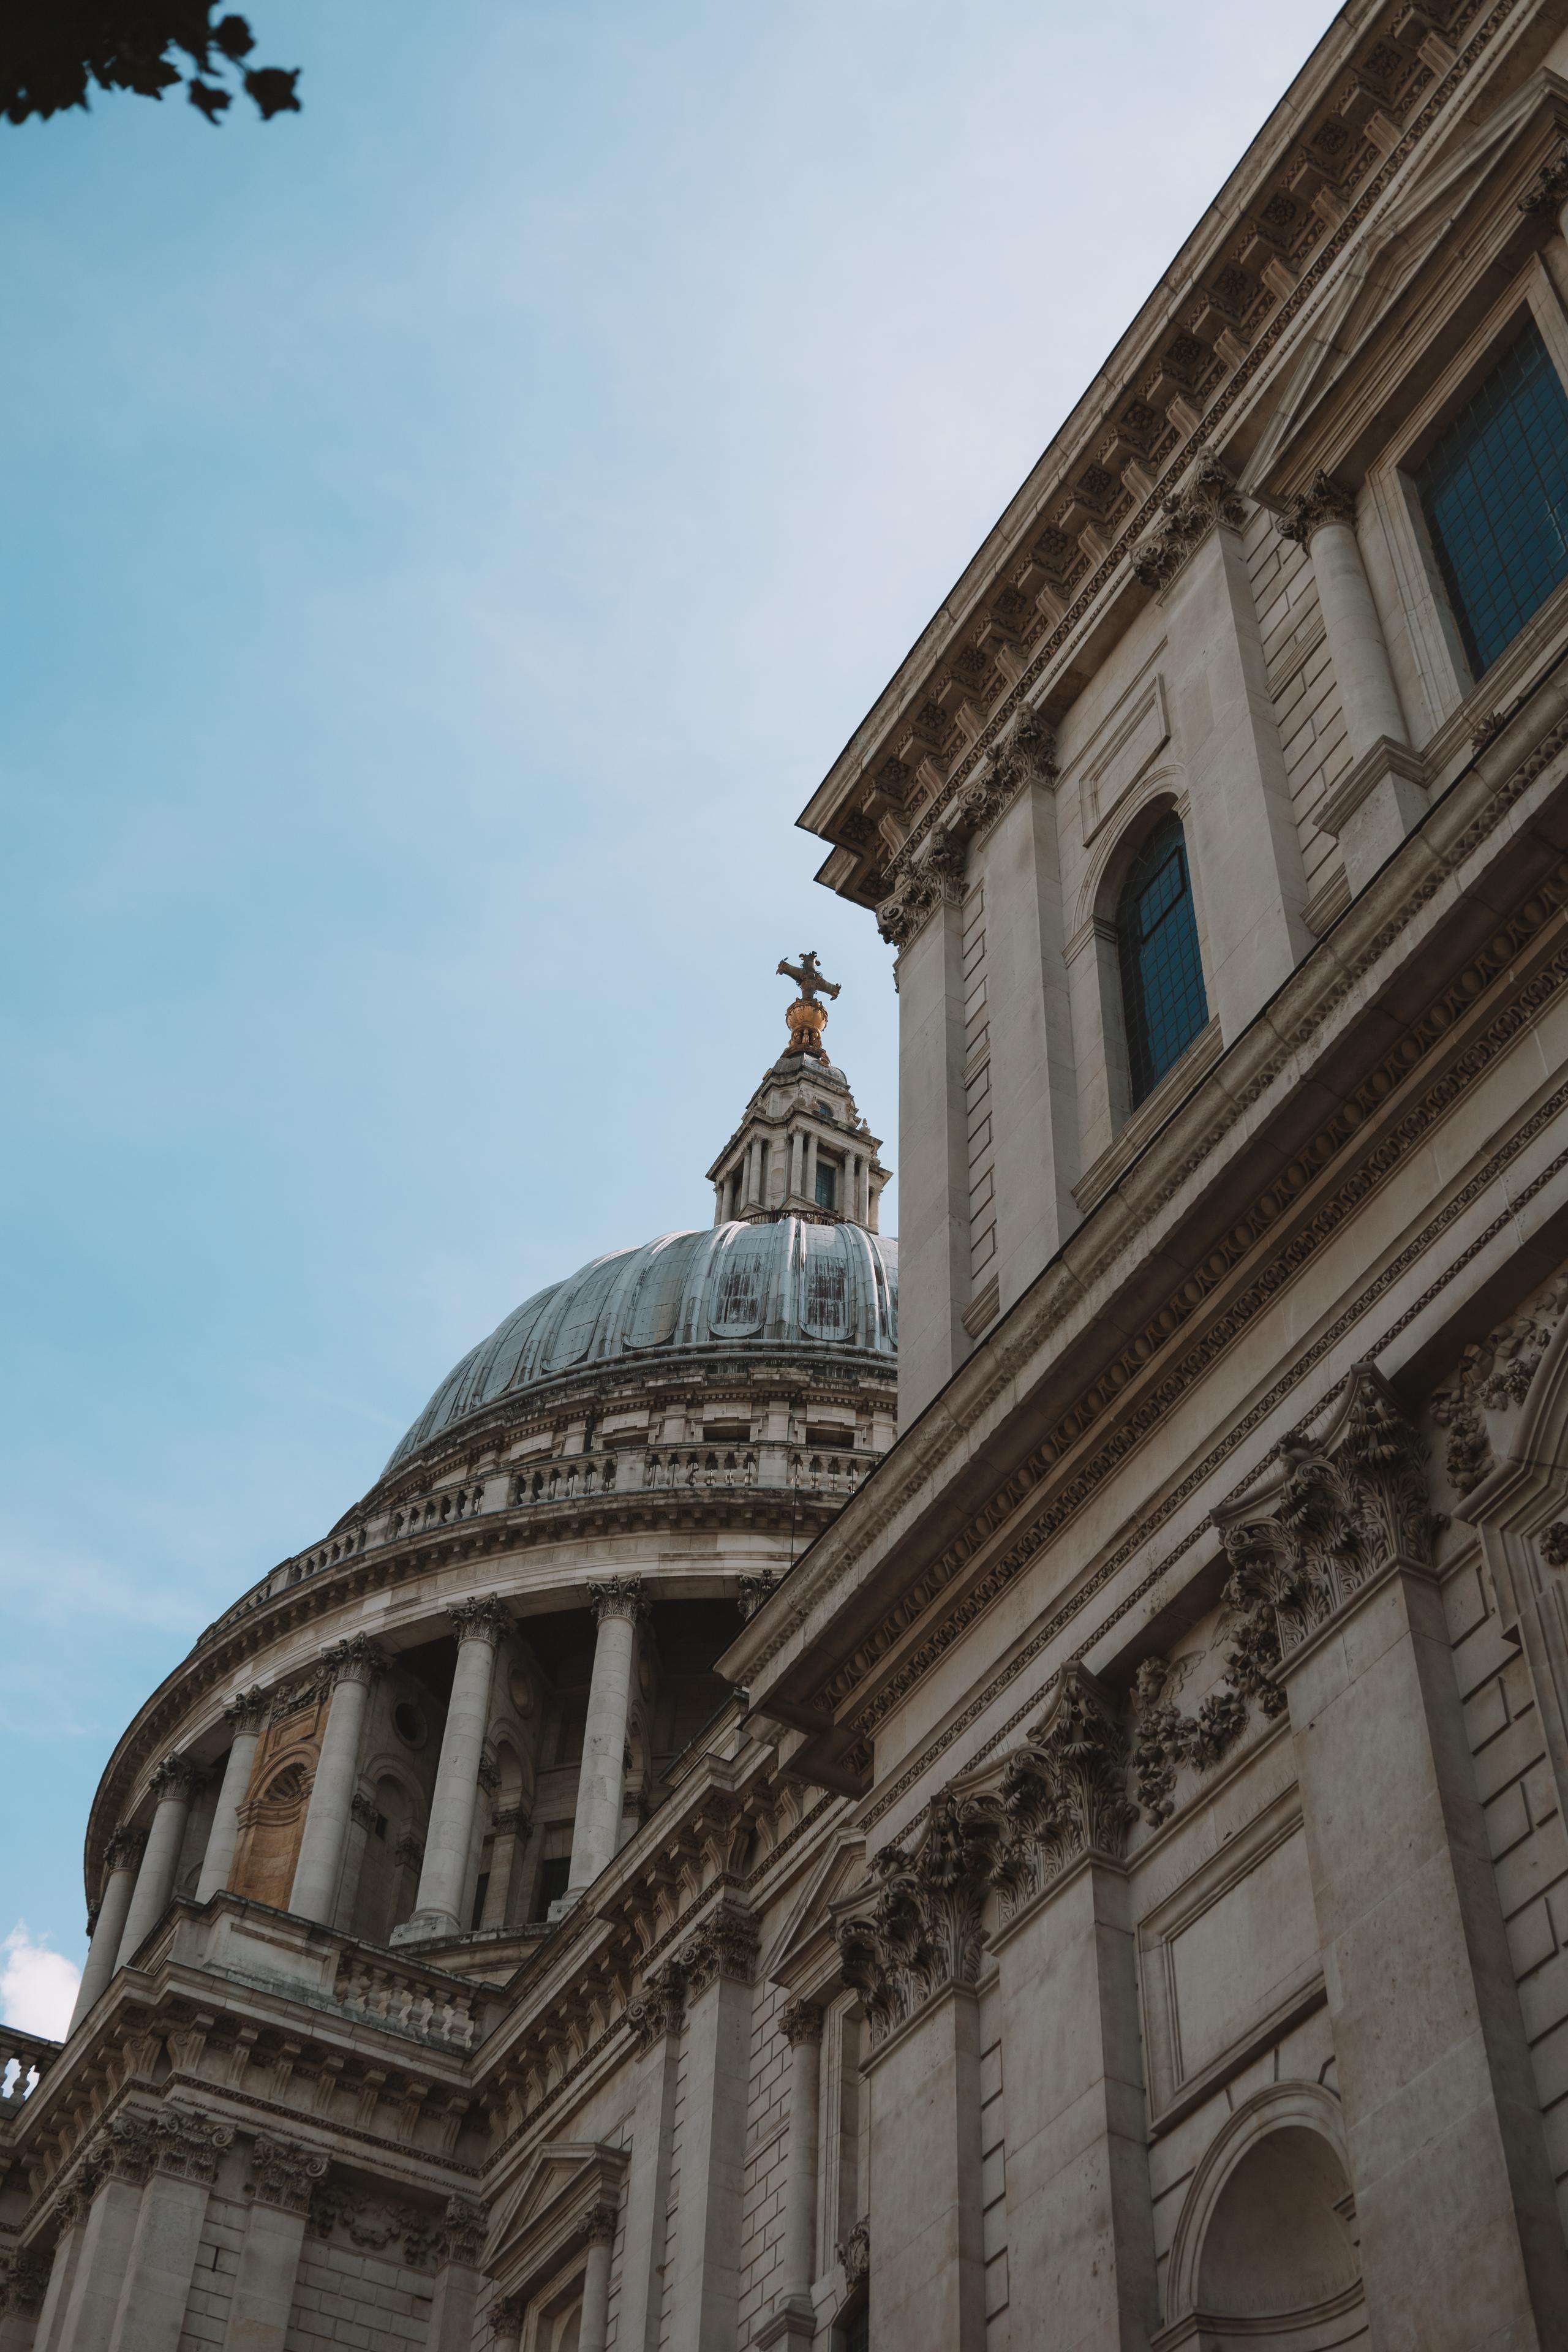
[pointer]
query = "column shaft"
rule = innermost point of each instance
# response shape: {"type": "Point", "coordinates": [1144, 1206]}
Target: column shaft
{"type": "Point", "coordinates": [314, 1892]}
{"type": "Point", "coordinates": [155, 1879]}
{"type": "Point", "coordinates": [109, 1933]}
{"type": "Point", "coordinates": [1357, 648]}
{"type": "Point", "coordinates": [647, 2177]}
{"type": "Point", "coordinates": [928, 2258]}
{"type": "Point", "coordinates": [802, 2022]}
{"type": "Point", "coordinates": [596, 1832]}
{"type": "Point", "coordinates": [810, 1184]}
{"type": "Point", "coordinates": [707, 2284]}
{"type": "Point", "coordinates": [224, 1835]}
{"type": "Point", "coordinates": [594, 2326]}
{"type": "Point", "coordinates": [438, 1904]}
{"type": "Point", "coordinates": [101, 2267]}
{"type": "Point", "coordinates": [934, 1172]}
{"type": "Point", "coordinates": [157, 2282]}
{"type": "Point", "coordinates": [263, 2290]}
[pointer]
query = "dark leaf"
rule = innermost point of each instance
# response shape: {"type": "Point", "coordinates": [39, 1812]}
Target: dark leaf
{"type": "Point", "coordinates": [209, 97]}
{"type": "Point", "coordinates": [233, 35]}
{"type": "Point", "coordinates": [273, 90]}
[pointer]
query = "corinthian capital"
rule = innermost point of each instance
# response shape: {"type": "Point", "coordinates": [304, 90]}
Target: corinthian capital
{"type": "Point", "coordinates": [357, 1659]}
{"type": "Point", "coordinates": [1065, 1791]}
{"type": "Point", "coordinates": [800, 2020]}
{"type": "Point", "coordinates": [1324, 500]}
{"type": "Point", "coordinates": [618, 1596]}
{"type": "Point", "coordinates": [284, 2174]}
{"type": "Point", "coordinates": [125, 1848]}
{"type": "Point", "coordinates": [247, 1711]}
{"type": "Point", "coordinates": [1207, 497]}
{"type": "Point", "coordinates": [481, 1620]}
{"type": "Point", "coordinates": [916, 1927]}
{"type": "Point", "coordinates": [175, 1777]}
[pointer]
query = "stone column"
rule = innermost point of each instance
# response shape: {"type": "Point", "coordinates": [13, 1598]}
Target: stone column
{"type": "Point", "coordinates": [171, 1787]}
{"type": "Point", "coordinates": [150, 2313]}
{"type": "Point", "coordinates": [801, 2024]}
{"type": "Point", "coordinates": [510, 1827]}
{"type": "Point", "coordinates": [810, 1179]}
{"type": "Point", "coordinates": [797, 1165]}
{"type": "Point", "coordinates": [122, 1860]}
{"type": "Point", "coordinates": [22, 2296]}
{"type": "Point", "coordinates": [506, 2316]}
{"type": "Point", "coordinates": [113, 2178]}
{"type": "Point", "coordinates": [283, 2176]}
{"type": "Point", "coordinates": [654, 2017]}
{"type": "Point", "coordinates": [353, 1666]}
{"type": "Point", "coordinates": [1384, 796]}
{"type": "Point", "coordinates": [1246, 850]}
{"type": "Point", "coordinates": [599, 2227]}
{"type": "Point", "coordinates": [933, 1175]}
{"type": "Point", "coordinates": [71, 2209]}
{"type": "Point", "coordinates": [1077, 2172]}
{"type": "Point", "coordinates": [618, 1606]}
{"type": "Point", "coordinates": [362, 1828]}
{"type": "Point", "coordinates": [245, 1718]}
{"type": "Point", "coordinates": [478, 1627]}
{"type": "Point", "coordinates": [1461, 2242]}
{"type": "Point", "coordinates": [460, 2246]}
{"type": "Point", "coordinates": [928, 2255]}
{"type": "Point", "coordinates": [716, 1964]}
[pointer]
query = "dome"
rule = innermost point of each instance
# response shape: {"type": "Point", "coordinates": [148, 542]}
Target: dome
{"type": "Point", "coordinates": [790, 1282]}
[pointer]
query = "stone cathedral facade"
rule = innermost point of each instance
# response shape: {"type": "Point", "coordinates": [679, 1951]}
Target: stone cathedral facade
{"type": "Point", "coordinates": [1053, 1838]}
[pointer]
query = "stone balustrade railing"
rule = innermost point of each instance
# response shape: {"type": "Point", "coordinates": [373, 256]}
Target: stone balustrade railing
{"type": "Point", "coordinates": [425, 2003]}
{"type": "Point", "coordinates": [25, 2060]}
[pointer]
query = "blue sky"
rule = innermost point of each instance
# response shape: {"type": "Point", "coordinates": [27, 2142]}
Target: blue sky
{"type": "Point", "coordinates": [448, 534]}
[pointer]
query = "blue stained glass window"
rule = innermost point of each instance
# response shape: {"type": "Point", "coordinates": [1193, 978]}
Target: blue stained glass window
{"type": "Point", "coordinates": [1162, 996]}
{"type": "Point", "coordinates": [1495, 494]}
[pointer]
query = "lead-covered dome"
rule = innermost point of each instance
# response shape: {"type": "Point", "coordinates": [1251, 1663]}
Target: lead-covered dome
{"type": "Point", "coordinates": [788, 1282]}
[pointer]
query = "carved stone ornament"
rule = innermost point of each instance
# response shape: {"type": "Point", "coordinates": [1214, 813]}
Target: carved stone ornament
{"type": "Point", "coordinates": [175, 1777]}
{"type": "Point", "coordinates": [505, 2316]}
{"type": "Point", "coordinates": [1165, 1738]}
{"type": "Point", "coordinates": [247, 1711]}
{"type": "Point", "coordinates": [1323, 500]}
{"type": "Point", "coordinates": [363, 1810]}
{"type": "Point", "coordinates": [1064, 1793]}
{"type": "Point", "coordinates": [855, 2252]}
{"type": "Point", "coordinates": [659, 2009]}
{"type": "Point", "coordinates": [618, 1596]}
{"type": "Point", "coordinates": [936, 881]}
{"type": "Point", "coordinates": [460, 2237]}
{"type": "Point", "coordinates": [1208, 497]}
{"type": "Point", "coordinates": [172, 2139]}
{"type": "Point", "coordinates": [597, 2227]}
{"type": "Point", "coordinates": [1335, 1514]}
{"type": "Point", "coordinates": [753, 1591]}
{"type": "Point", "coordinates": [800, 2020]}
{"type": "Point", "coordinates": [26, 2283]}
{"type": "Point", "coordinates": [372, 2224]}
{"type": "Point", "coordinates": [1554, 1544]}
{"type": "Point", "coordinates": [125, 1848]}
{"type": "Point", "coordinates": [284, 2174]}
{"type": "Point", "coordinates": [1028, 757]}
{"type": "Point", "coordinates": [1549, 189]}
{"type": "Point", "coordinates": [918, 1925]}
{"type": "Point", "coordinates": [725, 1945]}
{"type": "Point", "coordinates": [1493, 1377]}
{"type": "Point", "coordinates": [481, 1620]}
{"type": "Point", "coordinates": [357, 1659]}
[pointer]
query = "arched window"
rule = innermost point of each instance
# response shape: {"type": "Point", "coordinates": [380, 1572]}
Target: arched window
{"type": "Point", "coordinates": [1162, 997]}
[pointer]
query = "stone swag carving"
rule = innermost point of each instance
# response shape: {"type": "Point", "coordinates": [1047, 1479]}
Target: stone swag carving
{"type": "Point", "coordinates": [855, 2252]}
{"type": "Point", "coordinates": [1492, 1378]}
{"type": "Point", "coordinates": [1334, 1516]}
{"type": "Point", "coordinates": [1164, 1738]}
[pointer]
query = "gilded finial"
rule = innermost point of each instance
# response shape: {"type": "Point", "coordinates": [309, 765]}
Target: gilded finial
{"type": "Point", "coordinates": [808, 1016]}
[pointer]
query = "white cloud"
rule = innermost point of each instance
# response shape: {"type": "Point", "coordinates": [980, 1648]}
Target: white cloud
{"type": "Point", "coordinates": [37, 1986]}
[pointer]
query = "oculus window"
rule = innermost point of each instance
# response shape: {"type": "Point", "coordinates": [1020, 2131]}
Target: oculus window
{"type": "Point", "coordinates": [1494, 490]}
{"type": "Point", "coordinates": [1162, 997]}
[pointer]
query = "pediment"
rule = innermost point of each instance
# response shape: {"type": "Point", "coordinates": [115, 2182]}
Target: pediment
{"type": "Point", "coordinates": [537, 2224]}
{"type": "Point", "coordinates": [1391, 252]}
{"type": "Point", "coordinates": [804, 1946]}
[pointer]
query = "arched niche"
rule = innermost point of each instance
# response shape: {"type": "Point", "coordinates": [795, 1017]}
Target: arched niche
{"type": "Point", "coordinates": [1266, 2248]}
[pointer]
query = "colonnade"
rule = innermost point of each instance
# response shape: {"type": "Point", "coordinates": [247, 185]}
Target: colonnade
{"type": "Point", "coordinates": [141, 1864]}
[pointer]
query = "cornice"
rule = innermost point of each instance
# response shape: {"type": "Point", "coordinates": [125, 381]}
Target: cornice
{"type": "Point", "coordinates": [1230, 375]}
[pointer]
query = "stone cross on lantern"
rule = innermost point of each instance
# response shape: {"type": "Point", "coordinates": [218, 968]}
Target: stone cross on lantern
{"type": "Point", "coordinates": [808, 1016]}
